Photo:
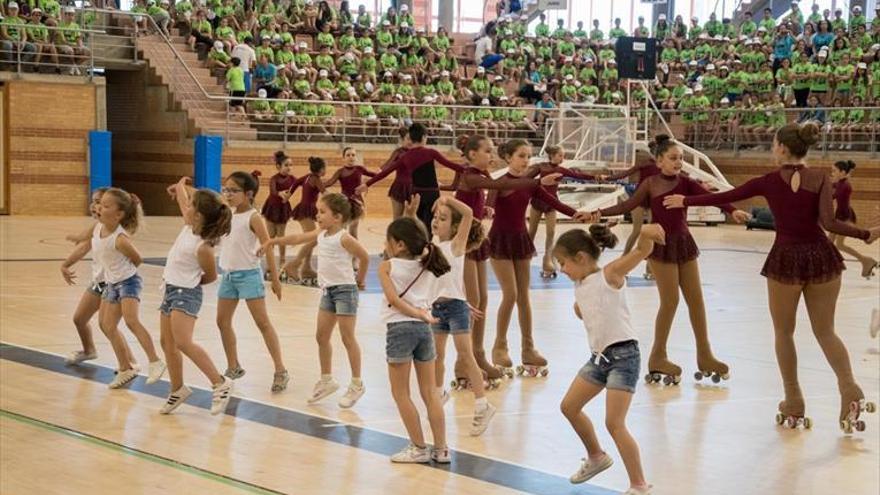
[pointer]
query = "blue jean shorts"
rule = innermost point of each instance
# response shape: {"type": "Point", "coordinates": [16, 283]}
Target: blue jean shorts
{"type": "Point", "coordinates": [98, 288]}
{"type": "Point", "coordinates": [129, 288]}
{"type": "Point", "coordinates": [454, 316]}
{"type": "Point", "coordinates": [617, 367]}
{"type": "Point", "coordinates": [341, 300]}
{"type": "Point", "coordinates": [242, 284]}
{"type": "Point", "coordinates": [182, 299]}
{"type": "Point", "coordinates": [409, 340]}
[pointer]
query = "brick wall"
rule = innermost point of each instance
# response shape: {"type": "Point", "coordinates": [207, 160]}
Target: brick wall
{"type": "Point", "coordinates": [48, 125]}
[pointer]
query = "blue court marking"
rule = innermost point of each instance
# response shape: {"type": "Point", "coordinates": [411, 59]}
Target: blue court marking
{"type": "Point", "coordinates": [480, 468]}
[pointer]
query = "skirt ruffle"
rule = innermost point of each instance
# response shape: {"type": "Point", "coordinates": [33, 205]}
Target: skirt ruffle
{"type": "Point", "coordinates": [400, 191]}
{"type": "Point", "coordinates": [277, 213]}
{"type": "Point", "coordinates": [482, 253]}
{"type": "Point", "coordinates": [809, 263]}
{"type": "Point", "coordinates": [511, 245]}
{"type": "Point", "coordinates": [679, 249]}
{"type": "Point", "coordinates": [305, 211]}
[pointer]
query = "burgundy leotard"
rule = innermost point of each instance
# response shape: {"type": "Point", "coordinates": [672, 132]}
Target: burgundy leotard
{"type": "Point", "coordinates": [547, 168]}
{"type": "Point", "coordinates": [509, 236]}
{"type": "Point", "coordinates": [680, 246]}
{"type": "Point", "coordinates": [842, 194]}
{"type": "Point", "coordinates": [645, 169]}
{"type": "Point", "coordinates": [275, 209]}
{"type": "Point", "coordinates": [308, 203]}
{"type": "Point", "coordinates": [801, 252]}
{"type": "Point", "coordinates": [470, 189]}
{"type": "Point", "coordinates": [402, 187]}
{"type": "Point", "coordinates": [350, 182]}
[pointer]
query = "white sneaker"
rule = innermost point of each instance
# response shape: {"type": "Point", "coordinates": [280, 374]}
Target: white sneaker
{"type": "Point", "coordinates": [441, 455]}
{"type": "Point", "coordinates": [444, 397]}
{"type": "Point", "coordinates": [322, 389]}
{"type": "Point", "coordinates": [481, 420]}
{"type": "Point", "coordinates": [123, 377]}
{"type": "Point", "coordinates": [175, 400]}
{"type": "Point", "coordinates": [76, 357]}
{"type": "Point", "coordinates": [351, 396]}
{"type": "Point", "coordinates": [221, 395]}
{"type": "Point", "coordinates": [412, 454]}
{"type": "Point", "coordinates": [155, 371]}
{"type": "Point", "coordinates": [639, 491]}
{"type": "Point", "coordinates": [589, 469]}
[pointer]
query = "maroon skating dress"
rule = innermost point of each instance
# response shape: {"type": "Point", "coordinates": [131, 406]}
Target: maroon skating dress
{"type": "Point", "coordinates": [349, 179]}
{"type": "Point", "coordinates": [645, 169]}
{"type": "Point", "coordinates": [680, 246]}
{"type": "Point", "coordinates": [308, 203]}
{"type": "Point", "coordinates": [509, 236]}
{"type": "Point", "coordinates": [842, 194]}
{"type": "Point", "coordinates": [801, 253]}
{"type": "Point", "coordinates": [470, 188]}
{"type": "Point", "coordinates": [547, 168]}
{"type": "Point", "coordinates": [275, 209]}
{"type": "Point", "coordinates": [402, 187]}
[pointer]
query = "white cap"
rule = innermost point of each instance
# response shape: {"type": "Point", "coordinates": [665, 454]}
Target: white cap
{"type": "Point", "coordinates": [368, 86]}
{"type": "Point", "coordinates": [695, 18]}
{"type": "Point", "coordinates": [612, 62]}
{"type": "Point", "coordinates": [12, 5]}
{"type": "Point", "coordinates": [724, 67]}
{"type": "Point", "coordinates": [290, 113]}
{"type": "Point", "coordinates": [569, 59]}
{"type": "Point", "coordinates": [350, 90]}
{"type": "Point", "coordinates": [406, 77]}
{"type": "Point", "coordinates": [710, 67]}
{"type": "Point", "coordinates": [404, 8]}
{"type": "Point", "coordinates": [262, 93]}
{"type": "Point", "coordinates": [386, 22]}
{"type": "Point", "coordinates": [688, 91]}
{"type": "Point", "coordinates": [398, 96]}
{"type": "Point", "coordinates": [511, 50]}
{"type": "Point", "coordinates": [862, 65]}
{"type": "Point", "coordinates": [420, 29]}
{"type": "Point", "coordinates": [725, 38]}
{"type": "Point", "coordinates": [36, 10]}
{"type": "Point", "coordinates": [481, 70]}
{"type": "Point", "coordinates": [616, 95]}
{"type": "Point", "coordinates": [762, 28]}
{"type": "Point", "coordinates": [577, 84]}
{"type": "Point", "coordinates": [794, 3]}
{"type": "Point", "coordinates": [349, 56]}
{"type": "Point", "coordinates": [302, 44]}
{"type": "Point", "coordinates": [387, 74]}
{"type": "Point", "coordinates": [569, 77]}
{"type": "Point", "coordinates": [661, 17]}
{"type": "Point", "coordinates": [857, 9]}
{"type": "Point", "coordinates": [444, 73]}
{"type": "Point", "coordinates": [499, 78]}
{"type": "Point", "coordinates": [503, 98]}
{"type": "Point", "coordinates": [875, 46]}
{"type": "Point", "coordinates": [301, 72]}
{"type": "Point", "coordinates": [368, 49]}
{"type": "Point", "coordinates": [725, 100]}
{"type": "Point", "coordinates": [404, 25]}
{"type": "Point", "coordinates": [485, 102]}
{"type": "Point", "coordinates": [718, 37]}
{"type": "Point", "coordinates": [745, 38]}
{"type": "Point", "coordinates": [428, 99]}
{"type": "Point", "coordinates": [322, 72]}
{"type": "Point", "coordinates": [698, 87]}
{"type": "Point", "coordinates": [692, 63]}
{"type": "Point", "coordinates": [218, 45]}
{"type": "Point", "coordinates": [703, 36]}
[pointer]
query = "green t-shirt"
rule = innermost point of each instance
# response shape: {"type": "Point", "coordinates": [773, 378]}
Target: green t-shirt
{"type": "Point", "coordinates": [837, 116]}
{"type": "Point", "coordinates": [325, 39]}
{"type": "Point", "coordinates": [616, 32]}
{"type": "Point", "coordinates": [597, 35]}
{"type": "Point", "coordinates": [368, 65]}
{"type": "Point", "coordinates": [235, 79]}
{"type": "Point", "coordinates": [70, 30]}
{"type": "Point", "coordinates": [845, 71]}
{"type": "Point", "coordinates": [442, 43]}
{"type": "Point", "coordinates": [284, 57]}
{"type": "Point", "coordinates": [820, 78]}
{"type": "Point", "coordinates": [38, 32]}
{"type": "Point", "coordinates": [801, 69]}
{"type": "Point", "coordinates": [542, 30]}
{"type": "Point", "coordinates": [219, 56]}
{"type": "Point", "coordinates": [748, 28]}
{"type": "Point", "coordinates": [303, 60]}
{"type": "Point", "coordinates": [389, 61]}
{"type": "Point", "coordinates": [365, 111]}
{"type": "Point", "coordinates": [203, 27]}
{"type": "Point", "coordinates": [347, 41]}
{"type": "Point", "coordinates": [225, 32]}
{"type": "Point", "coordinates": [325, 62]}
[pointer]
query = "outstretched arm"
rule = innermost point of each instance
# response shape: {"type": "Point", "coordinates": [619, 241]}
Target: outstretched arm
{"type": "Point", "coordinates": [438, 157]}
{"type": "Point", "coordinates": [638, 198]}
{"type": "Point", "coordinates": [289, 240]}
{"type": "Point", "coordinates": [553, 201]}
{"type": "Point", "coordinates": [574, 174]}
{"type": "Point", "coordinates": [694, 188]}
{"type": "Point", "coordinates": [826, 215]}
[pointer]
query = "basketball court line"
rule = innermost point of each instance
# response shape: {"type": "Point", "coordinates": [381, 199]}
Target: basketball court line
{"type": "Point", "coordinates": [134, 452]}
{"type": "Point", "coordinates": [501, 473]}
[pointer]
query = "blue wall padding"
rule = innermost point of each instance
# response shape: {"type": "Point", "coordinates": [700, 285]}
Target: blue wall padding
{"type": "Point", "coordinates": [100, 160]}
{"type": "Point", "coordinates": [208, 160]}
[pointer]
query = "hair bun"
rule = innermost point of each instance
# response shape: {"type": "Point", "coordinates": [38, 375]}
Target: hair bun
{"type": "Point", "coordinates": [602, 234]}
{"type": "Point", "coordinates": [661, 138]}
{"type": "Point", "coordinates": [461, 142]}
{"type": "Point", "coordinates": [256, 174]}
{"type": "Point", "coordinates": [809, 133]}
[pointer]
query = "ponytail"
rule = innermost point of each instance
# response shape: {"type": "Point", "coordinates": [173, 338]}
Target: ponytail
{"type": "Point", "coordinates": [412, 233]}
{"type": "Point", "coordinates": [434, 261]}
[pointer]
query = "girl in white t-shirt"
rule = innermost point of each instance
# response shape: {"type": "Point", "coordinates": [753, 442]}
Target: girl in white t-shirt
{"type": "Point", "coordinates": [339, 286]}
{"type": "Point", "coordinates": [407, 281]}
{"type": "Point", "coordinates": [243, 277]}
{"type": "Point", "coordinates": [600, 301]}
{"type": "Point", "coordinates": [190, 265]}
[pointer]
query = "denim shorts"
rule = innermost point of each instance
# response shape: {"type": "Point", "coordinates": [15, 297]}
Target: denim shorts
{"type": "Point", "coordinates": [242, 284]}
{"type": "Point", "coordinates": [341, 300]}
{"type": "Point", "coordinates": [454, 316]}
{"type": "Point", "coordinates": [617, 367]}
{"type": "Point", "coordinates": [98, 288]}
{"type": "Point", "coordinates": [408, 340]}
{"type": "Point", "coordinates": [182, 299]}
{"type": "Point", "coordinates": [128, 288]}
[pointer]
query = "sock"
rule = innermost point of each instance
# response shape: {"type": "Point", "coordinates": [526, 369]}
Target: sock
{"type": "Point", "coordinates": [357, 382]}
{"type": "Point", "coordinates": [481, 404]}
{"type": "Point", "coordinates": [326, 378]}
{"type": "Point", "coordinates": [597, 456]}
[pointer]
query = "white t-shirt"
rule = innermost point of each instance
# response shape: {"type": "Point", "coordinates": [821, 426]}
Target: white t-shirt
{"type": "Point", "coordinates": [182, 268]}
{"type": "Point", "coordinates": [247, 55]}
{"type": "Point", "coordinates": [115, 265]}
{"type": "Point", "coordinates": [334, 261]}
{"type": "Point", "coordinates": [239, 248]}
{"type": "Point", "coordinates": [403, 273]}
{"type": "Point", "coordinates": [483, 48]}
{"type": "Point", "coordinates": [451, 284]}
{"type": "Point", "coordinates": [604, 311]}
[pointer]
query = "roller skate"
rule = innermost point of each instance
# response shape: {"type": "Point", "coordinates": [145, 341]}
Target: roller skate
{"type": "Point", "coordinates": [501, 359]}
{"type": "Point", "coordinates": [711, 368]}
{"type": "Point", "coordinates": [461, 381]}
{"type": "Point", "coordinates": [533, 365]}
{"type": "Point", "coordinates": [493, 375]}
{"type": "Point", "coordinates": [290, 272]}
{"type": "Point", "coordinates": [852, 404]}
{"type": "Point", "coordinates": [791, 414]}
{"type": "Point", "coordinates": [663, 370]}
{"type": "Point", "coordinates": [309, 278]}
{"type": "Point", "coordinates": [869, 268]}
{"type": "Point", "coordinates": [548, 270]}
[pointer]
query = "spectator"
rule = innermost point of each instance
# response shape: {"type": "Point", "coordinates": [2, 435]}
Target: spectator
{"type": "Point", "coordinates": [246, 54]}
{"type": "Point", "coordinates": [14, 38]}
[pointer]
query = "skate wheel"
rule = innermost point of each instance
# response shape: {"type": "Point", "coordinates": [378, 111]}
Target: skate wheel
{"type": "Point", "coordinates": [656, 377]}
{"type": "Point", "coordinates": [725, 376]}
{"type": "Point", "coordinates": [716, 378]}
{"type": "Point", "coordinates": [553, 275]}
{"type": "Point", "coordinates": [649, 379]}
{"type": "Point", "coordinates": [698, 376]}
{"type": "Point", "coordinates": [520, 370]}
{"type": "Point", "coordinates": [545, 372]}
{"type": "Point", "coordinates": [676, 379]}
{"type": "Point", "coordinates": [860, 425]}
{"type": "Point", "coordinates": [667, 380]}
{"type": "Point", "coordinates": [870, 407]}
{"type": "Point", "coordinates": [453, 384]}
{"type": "Point", "coordinates": [780, 418]}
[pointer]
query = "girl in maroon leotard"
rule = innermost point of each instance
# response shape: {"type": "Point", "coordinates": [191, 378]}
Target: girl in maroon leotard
{"type": "Point", "coordinates": [276, 209]}
{"type": "Point", "coordinates": [840, 172]}
{"type": "Point", "coordinates": [539, 208]}
{"type": "Point", "coordinates": [802, 262]}
{"type": "Point", "coordinates": [304, 213]}
{"type": "Point", "coordinates": [350, 176]}
{"type": "Point", "coordinates": [511, 250]}
{"type": "Point", "coordinates": [674, 264]}
{"type": "Point", "coordinates": [470, 186]}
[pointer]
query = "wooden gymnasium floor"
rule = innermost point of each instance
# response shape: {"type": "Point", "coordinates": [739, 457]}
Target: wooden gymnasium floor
{"type": "Point", "coordinates": [62, 431]}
